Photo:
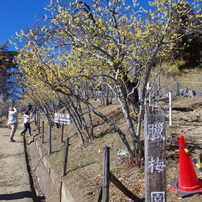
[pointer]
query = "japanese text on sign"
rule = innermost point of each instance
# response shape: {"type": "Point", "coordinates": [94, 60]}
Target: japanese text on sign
{"type": "Point", "coordinates": [158, 196]}
{"type": "Point", "coordinates": [156, 164]}
{"type": "Point", "coordinates": [155, 131]}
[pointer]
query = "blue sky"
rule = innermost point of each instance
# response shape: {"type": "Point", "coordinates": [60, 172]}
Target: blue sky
{"type": "Point", "coordinates": [16, 15]}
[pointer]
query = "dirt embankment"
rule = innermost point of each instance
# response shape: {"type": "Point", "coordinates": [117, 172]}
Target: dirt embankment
{"type": "Point", "coordinates": [84, 169]}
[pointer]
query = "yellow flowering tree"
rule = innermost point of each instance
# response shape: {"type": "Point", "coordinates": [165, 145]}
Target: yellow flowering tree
{"type": "Point", "coordinates": [105, 43]}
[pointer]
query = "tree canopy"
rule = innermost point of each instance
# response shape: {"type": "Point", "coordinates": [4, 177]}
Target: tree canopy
{"type": "Point", "coordinates": [81, 46]}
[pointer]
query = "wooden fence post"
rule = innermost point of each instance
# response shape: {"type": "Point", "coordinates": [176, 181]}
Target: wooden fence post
{"type": "Point", "coordinates": [38, 125]}
{"type": "Point", "coordinates": [65, 156]}
{"type": "Point", "coordinates": [103, 192]}
{"type": "Point", "coordinates": [42, 132]}
{"type": "Point", "coordinates": [155, 156]}
{"type": "Point", "coordinates": [62, 130]}
{"type": "Point", "coordinates": [62, 133]}
{"type": "Point", "coordinates": [35, 118]}
{"type": "Point", "coordinates": [106, 175]}
{"type": "Point", "coordinates": [49, 138]}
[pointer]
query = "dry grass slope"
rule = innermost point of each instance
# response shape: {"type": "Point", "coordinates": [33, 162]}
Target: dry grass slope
{"type": "Point", "coordinates": [84, 167]}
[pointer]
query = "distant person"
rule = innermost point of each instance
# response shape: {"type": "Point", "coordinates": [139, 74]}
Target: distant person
{"type": "Point", "coordinates": [27, 118]}
{"type": "Point", "coordinates": [34, 109]}
{"type": "Point", "coordinates": [13, 122]}
{"type": "Point", "coordinates": [29, 107]}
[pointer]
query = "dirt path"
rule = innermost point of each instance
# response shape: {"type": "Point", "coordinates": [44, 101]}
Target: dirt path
{"type": "Point", "coordinates": [14, 178]}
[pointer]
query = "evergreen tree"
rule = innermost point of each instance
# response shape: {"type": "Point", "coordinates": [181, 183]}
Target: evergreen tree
{"type": "Point", "coordinates": [8, 74]}
{"type": "Point", "coordinates": [189, 46]}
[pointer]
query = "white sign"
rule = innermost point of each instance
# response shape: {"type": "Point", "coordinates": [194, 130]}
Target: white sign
{"type": "Point", "coordinates": [62, 118]}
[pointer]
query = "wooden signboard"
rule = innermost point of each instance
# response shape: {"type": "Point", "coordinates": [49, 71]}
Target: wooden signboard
{"type": "Point", "coordinates": [155, 156]}
{"type": "Point", "coordinates": [62, 118]}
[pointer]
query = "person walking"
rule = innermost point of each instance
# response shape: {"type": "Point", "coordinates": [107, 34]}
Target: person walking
{"type": "Point", "coordinates": [27, 118]}
{"type": "Point", "coordinates": [13, 122]}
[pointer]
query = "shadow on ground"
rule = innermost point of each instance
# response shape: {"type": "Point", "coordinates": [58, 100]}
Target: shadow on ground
{"type": "Point", "coordinates": [18, 195]}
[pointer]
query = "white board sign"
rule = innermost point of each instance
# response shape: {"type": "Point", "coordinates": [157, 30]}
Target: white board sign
{"type": "Point", "coordinates": [62, 118]}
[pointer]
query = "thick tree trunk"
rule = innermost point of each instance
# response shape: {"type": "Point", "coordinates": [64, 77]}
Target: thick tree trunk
{"type": "Point", "coordinates": [91, 132]}
{"type": "Point", "coordinates": [136, 139]}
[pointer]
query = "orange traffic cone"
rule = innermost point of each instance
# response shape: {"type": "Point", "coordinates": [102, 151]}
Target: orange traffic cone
{"type": "Point", "coordinates": [189, 184]}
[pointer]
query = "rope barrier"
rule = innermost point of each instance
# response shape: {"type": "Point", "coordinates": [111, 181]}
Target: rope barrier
{"type": "Point", "coordinates": [192, 158]}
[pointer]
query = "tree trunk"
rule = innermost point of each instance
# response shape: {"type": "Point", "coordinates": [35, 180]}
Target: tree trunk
{"type": "Point", "coordinates": [136, 140]}
{"type": "Point", "coordinates": [117, 129]}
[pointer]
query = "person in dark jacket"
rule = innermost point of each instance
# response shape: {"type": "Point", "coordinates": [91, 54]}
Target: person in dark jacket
{"type": "Point", "coordinates": [29, 107]}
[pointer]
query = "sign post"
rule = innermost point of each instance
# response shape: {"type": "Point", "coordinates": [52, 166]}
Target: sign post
{"type": "Point", "coordinates": [170, 108]}
{"type": "Point", "coordinates": [155, 156]}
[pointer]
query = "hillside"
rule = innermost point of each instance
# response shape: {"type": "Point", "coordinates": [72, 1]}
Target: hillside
{"type": "Point", "coordinates": [84, 167]}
